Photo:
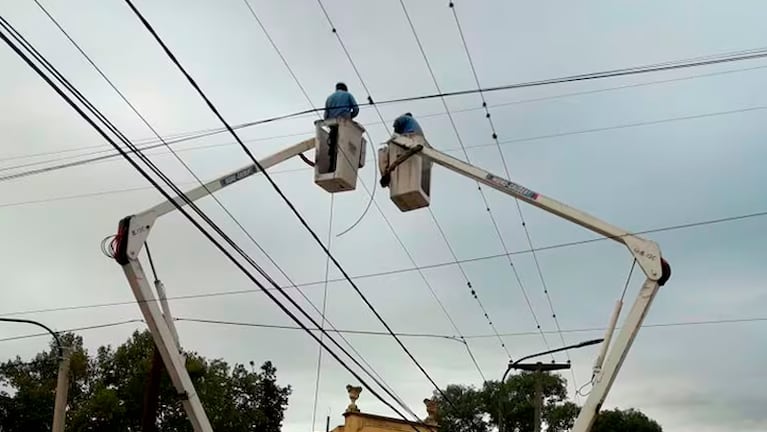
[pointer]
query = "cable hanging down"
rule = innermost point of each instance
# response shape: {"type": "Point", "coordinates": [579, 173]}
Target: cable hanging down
{"type": "Point", "coordinates": [279, 191]}
{"type": "Point", "coordinates": [116, 239]}
{"type": "Point", "coordinates": [109, 139]}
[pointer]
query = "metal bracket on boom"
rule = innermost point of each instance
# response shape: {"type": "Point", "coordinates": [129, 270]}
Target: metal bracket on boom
{"type": "Point", "coordinates": [646, 252]}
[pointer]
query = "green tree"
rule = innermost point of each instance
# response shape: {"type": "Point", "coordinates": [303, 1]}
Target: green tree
{"type": "Point", "coordinates": [511, 405]}
{"type": "Point", "coordinates": [630, 420]}
{"type": "Point", "coordinates": [107, 391]}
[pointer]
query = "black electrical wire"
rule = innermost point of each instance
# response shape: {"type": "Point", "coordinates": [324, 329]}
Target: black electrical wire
{"type": "Point", "coordinates": [210, 132]}
{"type": "Point", "coordinates": [370, 103]}
{"type": "Point", "coordinates": [469, 285]}
{"type": "Point", "coordinates": [106, 122]}
{"type": "Point", "coordinates": [279, 191]}
{"type": "Point", "coordinates": [311, 164]}
{"type": "Point", "coordinates": [159, 173]}
{"type": "Point", "coordinates": [744, 320]}
{"type": "Point", "coordinates": [226, 210]}
{"type": "Point", "coordinates": [667, 228]}
{"type": "Point", "coordinates": [526, 230]}
{"type": "Point", "coordinates": [504, 104]}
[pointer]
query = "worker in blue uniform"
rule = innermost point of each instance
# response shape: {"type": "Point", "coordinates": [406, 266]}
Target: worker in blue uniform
{"type": "Point", "coordinates": [403, 125]}
{"type": "Point", "coordinates": [406, 124]}
{"type": "Point", "coordinates": [340, 104]}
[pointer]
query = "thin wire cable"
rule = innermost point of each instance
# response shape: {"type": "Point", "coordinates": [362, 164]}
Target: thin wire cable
{"type": "Point", "coordinates": [371, 201]}
{"type": "Point", "coordinates": [201, 183]}
{"type": "Point", "coordinates": [114, 130]}
{"type": "Point", "coordinates": [508, 141]}
{"type": "Point", "coordinates": [678, 64]}
{"type": "Point", "coordinates": [189, 136]}
{"type": "Point", "coordinates": [91, 327]}
{"type": "Point", "coordinates": [324, 304]}
{"type": "Point", "coordinates": [472, 290]}
{"type": "Point", "coordinates": [668, 228]}
{"type": "Point", "coordinates": [362, 183]}
{"type": "Point", "coordinates": [371, 103]}
{"type": "Point", "coordinates": [712, 322]}
{"type": "Point", "coordinates": [287, 201]}
{"type": "Point", "coordinates": [330, 219]}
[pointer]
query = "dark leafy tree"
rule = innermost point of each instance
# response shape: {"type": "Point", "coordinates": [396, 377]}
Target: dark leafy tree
{"type": "Point", "coordinates": [107, 391]}
{"type": "Point", "coordinates": [510, 407]}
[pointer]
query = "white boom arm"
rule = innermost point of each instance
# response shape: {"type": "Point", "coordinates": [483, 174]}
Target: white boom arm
{"type": "Point", "coordinates": [131, 237]}
{"type": "Point", "coordinates": [646, 253]}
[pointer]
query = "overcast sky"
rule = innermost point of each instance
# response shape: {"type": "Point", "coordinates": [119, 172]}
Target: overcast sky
{"type": "Point", "coordinates": [631, 156]}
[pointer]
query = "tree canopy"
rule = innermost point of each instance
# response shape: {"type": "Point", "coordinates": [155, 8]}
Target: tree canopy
{"type": "Point", "coordinates": [106, 391]}
{"type": "Point", "coordinates": [511, 406]}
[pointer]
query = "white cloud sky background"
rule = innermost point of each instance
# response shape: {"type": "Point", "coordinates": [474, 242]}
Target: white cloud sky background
{"type": "Point", "coordinates": [692, 378]}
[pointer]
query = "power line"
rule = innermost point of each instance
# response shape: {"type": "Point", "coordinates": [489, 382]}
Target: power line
{"type": "Point", "coordinates": [503, 104]}
{"type": "Point", "coordinates": [277, 189]}
{"type": "Point", "coordinates": [90, 327]}
{"type": "Point", "coordinates": [371, 103]}
{"type": "Point", "coordinates": [220, 204]}
{"type": "Point", "coordinates": [488, 335]}
{"type": "Point", "coordinates": [379, 380]}
{"type": "Point", "coordinates": [696, 323]}
{"type": "Point", "coordinates": [148, 162]}
{"type": "Point", "coordinates": [330, 222]}
{"type": "Point", "coordinates": [508, 141]}
{"type": "Point", "coordinates": [755, 54]}
{"type": "Point", "coordinates": [469, 286]}
{"type": "Point", "coordinates": [362, 183]}
{"type": "Point", "coordinates": [525, 228]}
{"type": "Point", "coordinates": [667, 228]}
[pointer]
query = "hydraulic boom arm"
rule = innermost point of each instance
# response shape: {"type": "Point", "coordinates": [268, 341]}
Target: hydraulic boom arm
{"type": "Point", "coordinates": [646, 252]}
{"type": "Point", "coordinates": [131, 237]}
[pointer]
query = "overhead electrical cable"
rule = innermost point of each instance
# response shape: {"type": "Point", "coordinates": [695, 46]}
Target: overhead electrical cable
{"type": "Point", "coordinates": [667, 228]}
{"type": "Point", "coordinates": [279, 191]}
{"type": "Point", "coordinates": [453, 338]}
{"type": "Point", "coordinates": [189, 136]}
{"type": "Point", "coordinates": [200, 182]}
{"type": "Point", "coordinates": [149, 178]}
{"type": "Point", "coordinates": [525, 228]}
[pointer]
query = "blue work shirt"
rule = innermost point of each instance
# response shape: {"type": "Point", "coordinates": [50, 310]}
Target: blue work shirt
{"type": "Point", "coordinates": [406, 124]}
{"type": "Point", "coordinates": [341, 104]}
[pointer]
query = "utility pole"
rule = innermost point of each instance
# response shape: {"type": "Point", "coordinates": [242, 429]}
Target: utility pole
{"type": "Point", "coordinates": [62, 390]}
{"type": "Point", "coordinates": [538, 402]}
{"type": "Point", "coordinates": [539, 369]}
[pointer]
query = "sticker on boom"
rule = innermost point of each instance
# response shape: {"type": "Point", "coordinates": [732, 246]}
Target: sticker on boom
{"type": "Point", "coordinates": [239, 175]}
{"type": "Point", "coordinates": [513, 187]}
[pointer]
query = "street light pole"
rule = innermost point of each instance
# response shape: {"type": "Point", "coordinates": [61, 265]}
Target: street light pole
{"type": "Point", "coordinates": [539, 368]}
{"type": "Point", "coordinates": [62, 380]}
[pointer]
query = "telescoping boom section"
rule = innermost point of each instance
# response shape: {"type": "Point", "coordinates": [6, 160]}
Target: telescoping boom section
{"type": "Point", "coordinates": [646, 252]}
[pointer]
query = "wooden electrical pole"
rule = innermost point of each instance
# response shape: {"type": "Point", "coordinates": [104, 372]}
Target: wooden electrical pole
{"type": "Point", "coordinates": [538, 370]}
{"type": "Point", "coordinates": [62, 390]}
{"type": "Point", "coordinates": [538, 401]}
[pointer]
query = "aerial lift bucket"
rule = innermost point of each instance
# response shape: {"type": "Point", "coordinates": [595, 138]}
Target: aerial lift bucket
{"type": "Point", "coordinates": [350, 154]}
{"type": "Point", "coordinates": [410, 186]}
